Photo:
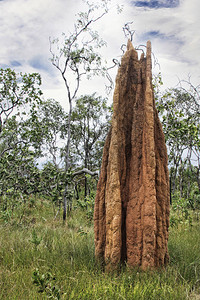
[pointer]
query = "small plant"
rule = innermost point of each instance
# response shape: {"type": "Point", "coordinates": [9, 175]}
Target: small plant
{"type": "Point", "coordinates": [82, 231]}
{"type": "Point", "coordinates": [88, 205]}
{"type": "Point", "coordinates": [182, 211]}
{"type": "Point", "coordinates": [174, 221]}
{"type": "Point", "coordinates": [35, 239]}
{"type": "Point", "coordinates": [46, 284]}
{"type": "Point", "coordinates": [6, 215]}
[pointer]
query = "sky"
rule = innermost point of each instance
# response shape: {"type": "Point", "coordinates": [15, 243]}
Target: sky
{"type": "Point", "coordinates": [171, 25]}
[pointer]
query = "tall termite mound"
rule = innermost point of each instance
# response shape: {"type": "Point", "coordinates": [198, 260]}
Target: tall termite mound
{"type": "Point", "coordinates": [131, 216]}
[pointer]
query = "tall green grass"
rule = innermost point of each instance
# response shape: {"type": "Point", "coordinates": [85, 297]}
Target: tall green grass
{"type": "Point", "coordinates": [63, 259]}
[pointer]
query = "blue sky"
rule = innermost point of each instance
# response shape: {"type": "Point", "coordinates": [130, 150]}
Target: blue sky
{"type": "Point", "coordinates": [156, 4]}
{"type": "Point", "coordinates": [171, 25]}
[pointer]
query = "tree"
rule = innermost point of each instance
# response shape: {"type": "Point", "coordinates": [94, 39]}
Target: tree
{"type": "Point", "coordinates": [52, 119]}
{"type": "Point", "coordinates": [20, 135]}
{"type": "Point", "coordinates": [179, 111]}
{"type": "Point", "coordinates": [19, 173]}
{"type": "Point", "coordinates": [90, 124]}
{"type": "Point", "coordinates": [76, 57]}
{"type": "Point", "coordinates": [19, 95]}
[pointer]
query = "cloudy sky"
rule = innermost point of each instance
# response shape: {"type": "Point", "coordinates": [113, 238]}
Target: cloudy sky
{"type": "Point", "coordinates": [171, 25]}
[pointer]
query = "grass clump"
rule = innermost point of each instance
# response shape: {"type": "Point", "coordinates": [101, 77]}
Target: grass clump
{"type": "Point", "coordinates": [42, 259]}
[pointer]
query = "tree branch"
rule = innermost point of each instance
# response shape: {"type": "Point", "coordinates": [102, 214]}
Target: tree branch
{"type": "Point", "coordinates": [86, 171]}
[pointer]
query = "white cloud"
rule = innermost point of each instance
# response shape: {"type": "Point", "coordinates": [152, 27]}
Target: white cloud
{"type": "Point", "coordinates": [26, 26]}
{"type": "Point", "coordinates": [177, 43]}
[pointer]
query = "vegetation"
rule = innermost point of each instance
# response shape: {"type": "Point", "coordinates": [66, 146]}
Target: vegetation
{"type": "Point", "coordinates": [75, 56]}
{"type": "Point", "coordinates": [47, 155]}
{"type": "Point", "coordinates": [42, 259]}
{"type": "Point", "coordinates": [179, 112]}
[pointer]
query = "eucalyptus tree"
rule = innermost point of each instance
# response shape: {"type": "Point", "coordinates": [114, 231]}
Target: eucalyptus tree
{"type": "Point", "coordinates": [76, 57]}
{"type": "Point", "coordinates": [20, 135]}
{"type": "Point", "coordinates": [19, 96]}
{"type": "Point", "coordinates": [179, 109]}
{"type": "Point", "coordinates": [90, 125]}
{"type": "Point", "coordinates": [19, 174]}
{"type": "Point", "coordinates": [53, 120]}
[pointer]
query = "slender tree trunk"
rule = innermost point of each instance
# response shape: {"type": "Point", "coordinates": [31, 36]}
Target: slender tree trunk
{"type": "Point", "coordinates": [65, 203]}
{"type": "Point", "coordinates": [85, 193]}
{"type": "Point", "coordinates": [65, 198]}
{"type": "Point", "coordinates": [68, 137]}
{"type": "Point", "coordinates": [177, 159]}
{"type": "Point", "coordinates": [188, 189]}
{"type": "Point", "coordinates": [77, 192]}
{"type": "Point", "coordinates": [181, 179]}
{"type": "Point", "coordinates": [189, 179]}
{"type": "Point", "coordinates": [87, 155]}
{"type": "Point", "coordinates": [173, 181]}
{"type": "Point", "coordinates": [86, 166]}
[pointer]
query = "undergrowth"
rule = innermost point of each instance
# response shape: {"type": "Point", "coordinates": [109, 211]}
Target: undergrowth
{"type": "Point", "coordinates": [40, 258]}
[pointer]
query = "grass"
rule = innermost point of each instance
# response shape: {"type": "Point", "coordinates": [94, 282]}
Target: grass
{"type": "Point", "coordinates": [42, 259]}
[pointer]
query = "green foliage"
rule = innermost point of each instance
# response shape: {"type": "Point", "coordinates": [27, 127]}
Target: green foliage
{"type": "Point", "coordinates": [179, 113]}
{"type": "Point", "coordinates": [180, 119]}
{"type": "Point", "coordinates": [17, 90]}
{"type": "Point", "coordinates": [46, 283]}
{"type": "Point", "coordinates": [19, 173]}
{"type": "Point", "coordinates": [35, 239]}
{"type": "Point", "coordinates": [194, 199]}
{"type": "Point", "coordinates": [52, 182]}
{"type": "Point", "coordinates": [53, 124]}
{"type": "Point", "coordinates": [181, 214]}
{"type": "Point", "coordinates": [87, 204]}
{"type": "Point", "coordinates": [5, 215]}
{"type": "Point", "coordinates": [20, 134]}
{"type": "Point", "coordinates": [89, 127]}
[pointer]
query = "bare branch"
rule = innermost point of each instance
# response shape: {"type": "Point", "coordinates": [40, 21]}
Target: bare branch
{"type": "Point", "coordinates": [86, 171]}
{"type": "Point", "coordinates": [128, 32]}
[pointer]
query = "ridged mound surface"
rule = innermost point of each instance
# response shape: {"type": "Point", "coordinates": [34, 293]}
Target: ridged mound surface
{"type": "Point", "coordinates": [131, 216]}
